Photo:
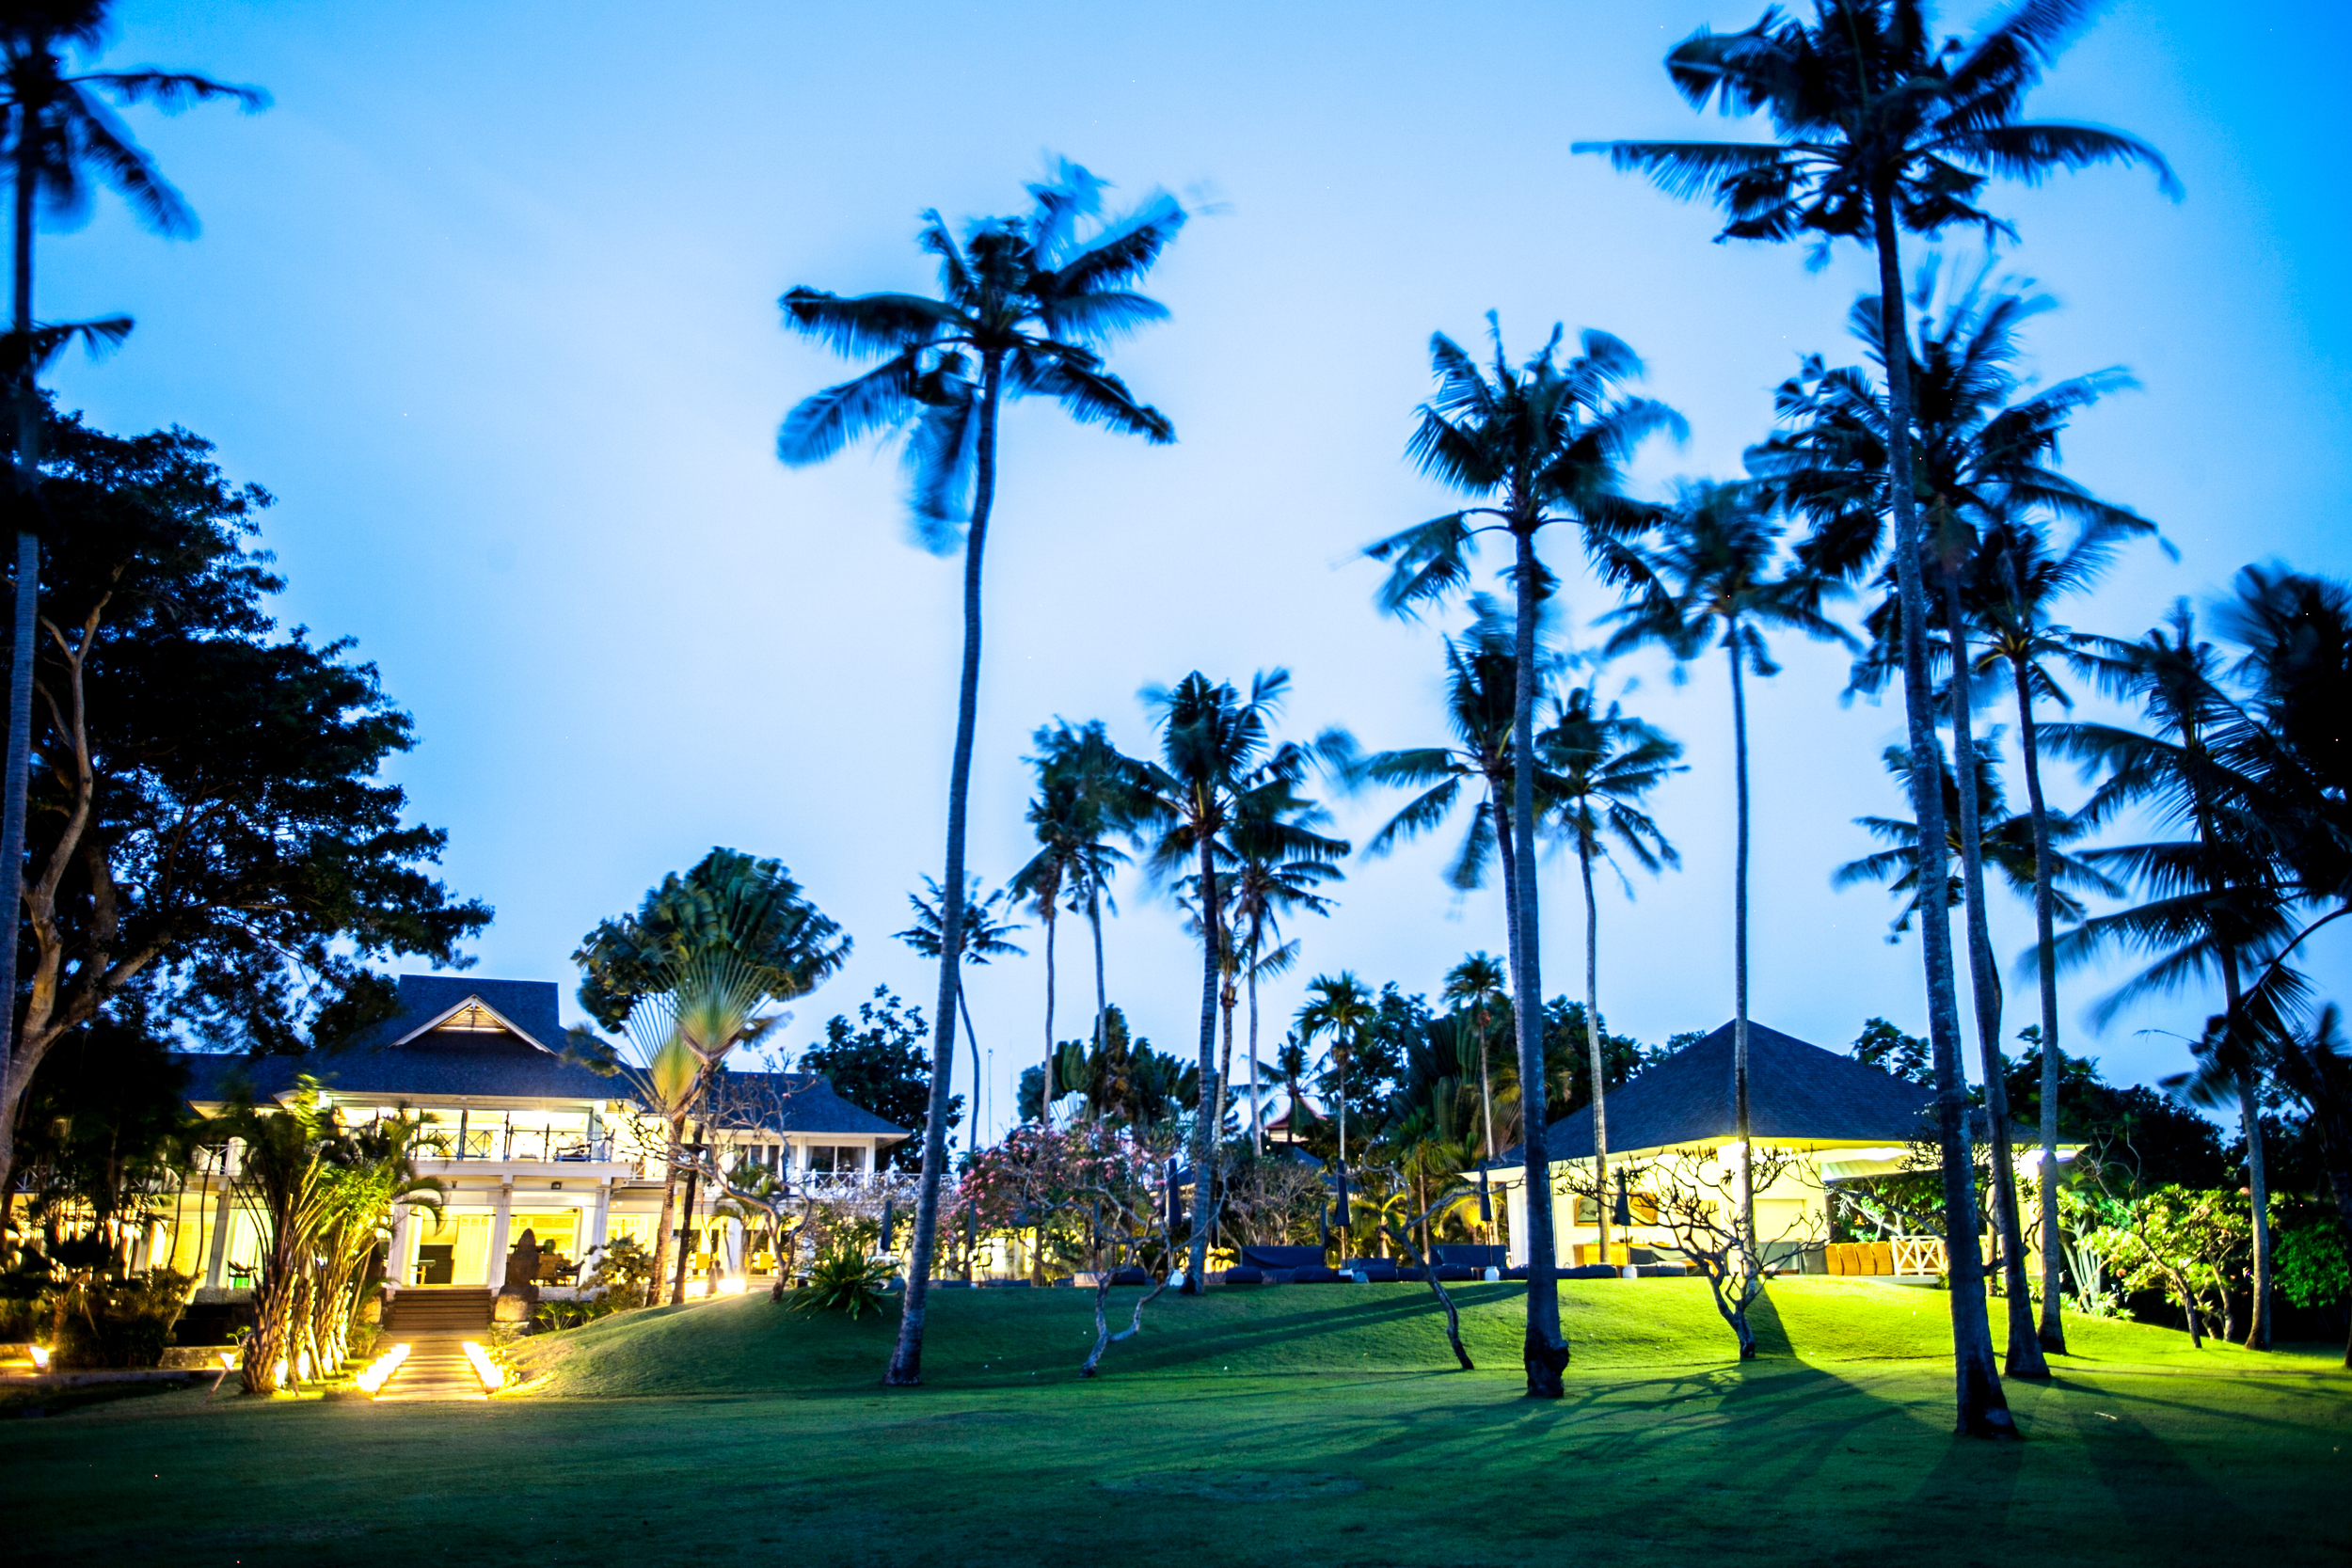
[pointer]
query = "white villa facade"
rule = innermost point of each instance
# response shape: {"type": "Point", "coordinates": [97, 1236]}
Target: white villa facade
{"type": "Point", "coordinates": [535, 1141]}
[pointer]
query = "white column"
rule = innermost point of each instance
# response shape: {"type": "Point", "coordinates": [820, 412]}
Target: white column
{"type": "Point", "coordinates": [735, 1246]}
{"type": "Point", "coordinates": [499, 1212]}
{"type": "Point", "coordinates": [1514, 1205]}
{"type": "Point", "coordinates": [599, 1219]}
{"type": "Point", "coordinates": [216, 1265]}
{"type": "Point", "coordinates": [396, 1252]}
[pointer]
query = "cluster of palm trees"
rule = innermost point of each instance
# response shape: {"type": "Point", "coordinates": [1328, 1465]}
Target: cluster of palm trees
{"type": "Point", "coordinates": [1925, 477]}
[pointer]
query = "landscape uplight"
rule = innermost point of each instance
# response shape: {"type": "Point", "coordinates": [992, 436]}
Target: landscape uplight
{"type": "Point", "coordinates": [484, 1368]}
{"type": "Point", "coordinates": [41, 1357]}
{"type": "Point", "coordinates": [380, 1371]}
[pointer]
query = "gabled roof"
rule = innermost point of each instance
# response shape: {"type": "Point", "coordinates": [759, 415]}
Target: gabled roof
{"type": "Point", "coordinates": [409, 1058]}
{"type": "Point", "coordinates": [1797, 1093]}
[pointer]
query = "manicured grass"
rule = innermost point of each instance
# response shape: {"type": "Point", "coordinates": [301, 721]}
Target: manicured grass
{"type": "Point", "coordinates": [1300, 1422]}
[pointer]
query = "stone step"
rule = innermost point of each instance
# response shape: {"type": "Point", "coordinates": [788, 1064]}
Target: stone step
{"type": "Point", "coordinates": [436, 1368]}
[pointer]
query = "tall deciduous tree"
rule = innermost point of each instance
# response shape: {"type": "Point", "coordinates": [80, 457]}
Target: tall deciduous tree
{"type": "Point", "coordinates": [60, 136]}
{"type": "Point", "coordinates": [1025, 305]}
{"type": "Point", "coordinates": [1544, 443]}
{"type": "Point", "coordinates": [1882, 127]}
{"type": "Point", "coordinates": [1605, 764]}
{"type": "Point", "coordinates": [209, 821]}
{"type": "Point", "coordinates": [1714, 576]}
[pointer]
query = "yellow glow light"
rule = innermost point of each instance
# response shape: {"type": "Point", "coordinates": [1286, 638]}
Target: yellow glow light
{"type": "Point", "coordinates": [381, 1368]}
{"type": "Point", "coordinates": [484, 1368]}
{"type": "Point", "coordinates": [734, 1285]}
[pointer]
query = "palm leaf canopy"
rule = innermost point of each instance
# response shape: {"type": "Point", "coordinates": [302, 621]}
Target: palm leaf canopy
{"type": "Point", "coordinates": [1602, 764]}
{"type": "Point", "coordinates": [74, 135]}
{"type": "Point", "coordinates": [1024, 305]}
{"type": "Point", "coordinates": [1865, 101]}
{"type": "Point", "coordinates": [1544, 441]}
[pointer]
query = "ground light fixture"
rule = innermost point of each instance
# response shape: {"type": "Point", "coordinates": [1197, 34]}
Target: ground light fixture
{"type": "Point", "coordinates": [41, 1357]}
{"type": "Point", "coordinates": [484, 1368]}
{"type": "Point", "coordinates": [380, 1371]}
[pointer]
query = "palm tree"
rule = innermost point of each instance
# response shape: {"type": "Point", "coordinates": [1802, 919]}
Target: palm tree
{"type": "Point", "coordinates": [1882, 127]}
{"type": "Point", "coordinates": [1605, 765]}
{"type": "Point", "coordinates": [1480, 987]}
{"type": "Point", "coordinates": [1984, 446]}
{"type": "Point", "coordinates": [1026, 303]}
{"type": "Point", "coordinates": [986, 936]}
{"type": "Point", "coordinates": [1276, 867]}
{"type": "Point", "coordinates": [1080, 777]}
{"type": "Point", "coordinates": [2008, 847]}
{"type": "Point", "coordinates": [59, 134]}
{"type": "Point", "coordinates": [731, 925]}
{"type": "Point", "coordinates": [1711, 579]}
{"type": "Point", "coordinates": [2017, 579]}
{"type": "Point", "coordinates": [1548, 442]}
{"type": "Point", "coordinates": [2217, 898]}
{"type": "Point", "coordinates": [1215, 749]}
{"type": "Point", "coordinates": [1338, 1006]}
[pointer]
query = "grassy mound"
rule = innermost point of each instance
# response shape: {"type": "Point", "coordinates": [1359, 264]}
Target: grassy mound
{"type": "Point", "coordinates": [1006, 1338]}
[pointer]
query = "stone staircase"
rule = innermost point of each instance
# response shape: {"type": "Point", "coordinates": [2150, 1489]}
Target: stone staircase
{"type": "Point", "coordinates": [437, 1311]}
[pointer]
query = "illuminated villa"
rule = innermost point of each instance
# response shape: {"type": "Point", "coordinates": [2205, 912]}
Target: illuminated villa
{"type": "Point", "coordinates": [534, 1141]}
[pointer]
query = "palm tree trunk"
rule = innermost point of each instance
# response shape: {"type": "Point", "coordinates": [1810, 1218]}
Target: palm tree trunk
{"type": "Point", "coordinates": [1257, 1097]}
{"type": "Point", "coordinates": [1753, 1259]}
{"type": "Point", "coordinates": [972, 1040]}
{"type": "Point", "coordinates": [2025, 1357]}
{"type": "Point", "coordinates": [2257, 1175]}
{"type": "Point", "coordinates": [1046, 1084]}
{"type": "Point", "coordinates": [1981, 1408]}
{"type": "Point", "coordinates": [17, 763]}
{"type": "Point", "coordinates": [1102, 998]}
{"type": "Point", "coordinates": [663, 1226]}
{"type": "Point", "coordinates": [1545, 1351]}
{"type": "Point", "coordinates": [2053, 1328]}
{"type": "Point", "coordinates": [906, 1358]}
{"type": "Point", "coordinates": [1197, 1274]}
{"type": "Point", "coordinates": [1591, 1039]}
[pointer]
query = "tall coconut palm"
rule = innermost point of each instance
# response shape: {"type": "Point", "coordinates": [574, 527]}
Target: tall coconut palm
{"type": "Point", "coordinates": [1341, 1009]}
{"type": "Point", "coordinates": [1545, 443]}
{"type": "Point", "coordinates": [2017, 579]}
{"type": "Point", "coordinates": [1984, 452]}
{"type": "Point", "coordinates": [1079, 780]}
{"type": "Point", "coordinates": [1481, 987]}
{"type": "Point", "coordinates": [1882, 127]}
{"type": "Point", "coordinates": [1605, 765]}
{"type": "Point", "coordinates": [2215, 898]}
{"type": "Point", "coordinates": [987, 935]}
{"type": "Point", "coordinates": [1216, 748]}
{"type": "Point", "coordinates": [1714, 576]}
{"type": "Point", "coordinates": [61, 138]}
{"type": "Point", "coordinates": [1277, 870]}
{"type": "Point", "coordinates": [1026, 304]}
{"type": "Point", "coordinates": [2008, 847]}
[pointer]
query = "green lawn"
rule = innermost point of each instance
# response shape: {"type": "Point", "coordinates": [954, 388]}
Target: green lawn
{"type": "Point", "coordinates": [1301, 1421]}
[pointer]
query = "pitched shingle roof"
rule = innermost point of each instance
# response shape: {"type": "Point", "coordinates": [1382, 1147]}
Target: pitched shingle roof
{"type": "Point", "coordinates": [403, 1060]}
{"type": "Point", "coordinates": [1797, 1093]}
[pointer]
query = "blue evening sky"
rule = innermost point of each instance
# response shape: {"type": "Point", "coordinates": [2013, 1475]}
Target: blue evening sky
{"type": "Point", "coordinates": [488, 300]}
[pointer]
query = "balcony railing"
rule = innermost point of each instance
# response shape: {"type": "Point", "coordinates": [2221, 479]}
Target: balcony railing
{"type": "Point", "coordinates": [532, 1145]}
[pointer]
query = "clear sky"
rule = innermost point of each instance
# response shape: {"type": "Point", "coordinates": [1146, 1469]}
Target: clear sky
{"type": "Point", "coordinates": [487, 299]}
